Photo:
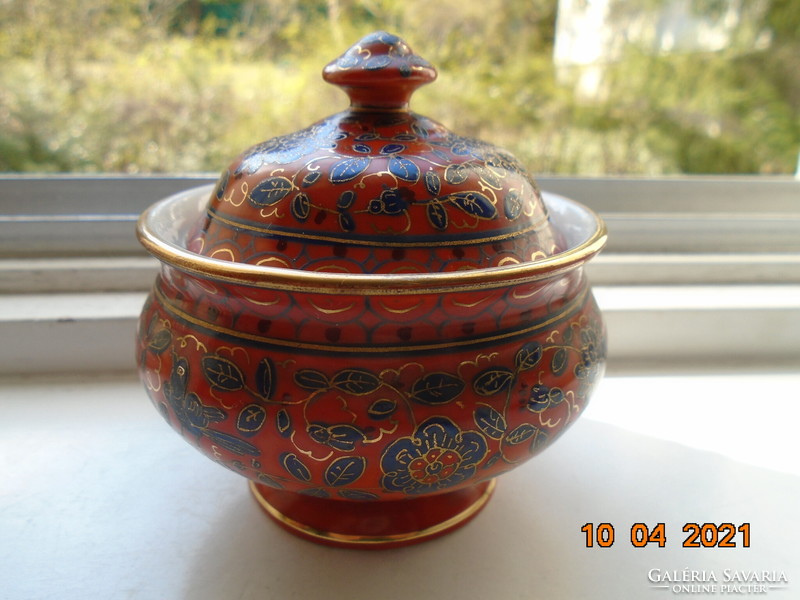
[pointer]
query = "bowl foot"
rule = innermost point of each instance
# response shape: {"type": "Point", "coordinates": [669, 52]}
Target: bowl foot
{"type": "Point", "coordinates": [378, 524]}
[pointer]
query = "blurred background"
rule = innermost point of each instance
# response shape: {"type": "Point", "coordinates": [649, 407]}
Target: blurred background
{"type": "Point", "coordinates": [589, 87]}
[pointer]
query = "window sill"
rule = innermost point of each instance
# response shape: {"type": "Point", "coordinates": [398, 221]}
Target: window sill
{"type": "Point", "coordinates": [700, 273]}
{"type": "Point", "coordinates": [118, 506]}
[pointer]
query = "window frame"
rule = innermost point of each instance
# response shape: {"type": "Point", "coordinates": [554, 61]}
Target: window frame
{"type": "Point", "coordinates": [700, 273]}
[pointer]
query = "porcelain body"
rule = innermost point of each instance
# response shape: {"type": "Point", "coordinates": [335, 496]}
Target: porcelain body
{"type": "Point", "coordinates": [373, 318]}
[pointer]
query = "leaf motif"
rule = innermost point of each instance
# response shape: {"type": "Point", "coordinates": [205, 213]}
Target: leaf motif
{"type": "Point", "coordinates": [489, 178]}
{"type": "Point", "coordinates": [437, 215]}
{"type": "Point", "coordinates": [381, 409]}
{"type": "Point", "coordinates": [555, 396]}
{"type": "Point", "coordinates": [251, 419]}
{"type": "Point", "coordinates": [151, 326]}
{"type": "Point", "coordinates": [346, 200]}
{"type": "Point", "coordinates": [442, 155]}
{"type": "Point", "coordinates": [357, 495]}
{"type": "Point", "coordinates": [492, 460]}
{"type": "Point", "coordinates": [524, 432]}
{"type": "Point", "coordinates": [437, 388]}
{"type": "Point", "coordinates": [461, 148]}
{"type": "Point", "coordinates": [344, 436]}
{"type": "Point", "coordinates": [456, 173]}
{"type": "Point", "coordinates": [295, 467]}
{"type": "Point", "coordinates": [421, 131]}
{"type": "Point", "coordinates": [309, 379]}
{"type": "Point", "coordinates": [432, 183]}
{"type": "Point", "coordinates": [345, 470]}
{"type": "Point", "coordinates": [284, 423]}
{"type": "Point", "coordinates": [222, 373]}
{"type": "Point", "coordinates": [232, 443]}
{"type": "Point", "coordinates": [311, 178]}
{"type": "Point", "coordinates": [348, 169]}
{"type": "Point", "coordinates": [363, 148]}
{"type": "Point", "coordinates": [160, 341]}
{"type": "Point", "coordinates": [539, 398]}
{"type": "Point", "coordinates": [270, 191]}
{"type": "Point", "coordinates": [250, 164]}
{"type": "Point", "coordinates": [346, 221]}
{"type": "Point", "coordinates": [404, 169]}
{"type": "Point", "coordinates": [528, 356]}
{"type": "Point", "coordinates": [377, 62]}
{"type": "Point", "coordinates": [265, 378]}
{"type": "Point", "coordinates": [301, 207]}
{"type": "Point", "coordinates": [512, 206]}
{"type": "Point", "coordinates": [490, 421]}
{"type": "Point", "coordinates": [347, 61]}
{"type": "Point", "coordinates": [341, 436]}
{"type": "Point", "coordinates": [392, 149]}
{"type": "Point", "coordinates": [358, 382]}
{"type": "Point", "coordinates": [269, 481]}
{"type": "Point", "coordinates": [315, 492]}
{"type": "Point", "coordinates": [492, 381]}
{"type": "Point", "coordinates": [539, 441]}
{"type": "Point", "coordinates": [474, 203]}
{"type": "Point", "coordinates": [558, 364]}
{"type": "Point", "coordinates": [219, 190]}
{"type": "Point", "coordinates": [212, 414]}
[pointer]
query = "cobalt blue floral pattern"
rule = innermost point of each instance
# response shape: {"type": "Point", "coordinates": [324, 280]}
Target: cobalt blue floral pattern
{"type": "Point", "coordinates": [383, 189]}
{"type": "Point", "coordinates": [437, 456]}
{"type": "Point", "coordinates": [362, 392]}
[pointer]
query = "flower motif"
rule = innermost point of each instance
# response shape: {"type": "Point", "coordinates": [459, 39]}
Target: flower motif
{"type": "Point", "coordinates": [437, 456]}
{"type": "Point", "coordinates": [593, 355]}
{"type": "Point", "coordinates": [542, 397]}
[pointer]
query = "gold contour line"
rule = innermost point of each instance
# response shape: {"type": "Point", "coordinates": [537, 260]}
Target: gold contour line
{"type": "Point", "coordinates": [363, 284]}
{"type": "Point", "coordinates": [569, 308]}
{"type": "Point", "coordinates": [364, 540]}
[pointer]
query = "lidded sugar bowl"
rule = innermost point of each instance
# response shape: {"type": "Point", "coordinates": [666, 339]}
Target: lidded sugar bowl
{"type": "Point", "coordinates": [372, 318]}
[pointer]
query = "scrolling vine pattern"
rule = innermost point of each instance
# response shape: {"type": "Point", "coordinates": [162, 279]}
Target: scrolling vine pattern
{"type": "Point", "coordinates": [419, 153]}
{"type": "Point", "coordinates": [374, 184]}
{"type": "Point", "coordinates": [514, 413]}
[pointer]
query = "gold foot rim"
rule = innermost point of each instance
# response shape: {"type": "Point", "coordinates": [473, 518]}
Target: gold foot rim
{"type": "Point", "coordinates": [343, 539]}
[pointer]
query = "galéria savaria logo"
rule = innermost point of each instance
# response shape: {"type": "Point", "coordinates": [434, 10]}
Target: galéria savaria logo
{"type": "Point", "coordinates": [720, 582]}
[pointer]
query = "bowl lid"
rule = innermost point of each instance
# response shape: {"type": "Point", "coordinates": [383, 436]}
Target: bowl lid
{"type": "Point", "coordinates": [376, 188]}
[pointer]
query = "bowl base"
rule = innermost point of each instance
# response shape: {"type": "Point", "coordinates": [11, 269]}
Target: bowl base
{"type": "Point", "coordinates": [372, 525]}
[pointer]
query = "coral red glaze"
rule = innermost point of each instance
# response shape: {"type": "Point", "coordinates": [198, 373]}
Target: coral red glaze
{"type": "Point", "coordinates": [373, 318]}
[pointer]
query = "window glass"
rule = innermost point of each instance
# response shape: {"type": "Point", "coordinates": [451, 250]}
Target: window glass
{"type": "Point", "coordinates": [570, 86]}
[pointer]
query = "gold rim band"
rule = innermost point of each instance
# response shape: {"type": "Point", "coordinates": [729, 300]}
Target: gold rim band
{"type": "Point", "coordinates": [261, 276]}
{"type": "Point", "coordinates": [362, 540]}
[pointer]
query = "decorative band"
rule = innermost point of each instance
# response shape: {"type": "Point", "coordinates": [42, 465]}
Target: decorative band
{"type": "Point", "coordinates": [569, 309]}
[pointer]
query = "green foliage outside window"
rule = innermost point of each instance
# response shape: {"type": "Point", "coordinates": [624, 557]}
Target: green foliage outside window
{"type": "Point", "coordinates": [184, 85]}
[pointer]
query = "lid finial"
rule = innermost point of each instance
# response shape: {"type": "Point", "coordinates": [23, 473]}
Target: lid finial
{"type": "Point", "coordinates": [380, 71]}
